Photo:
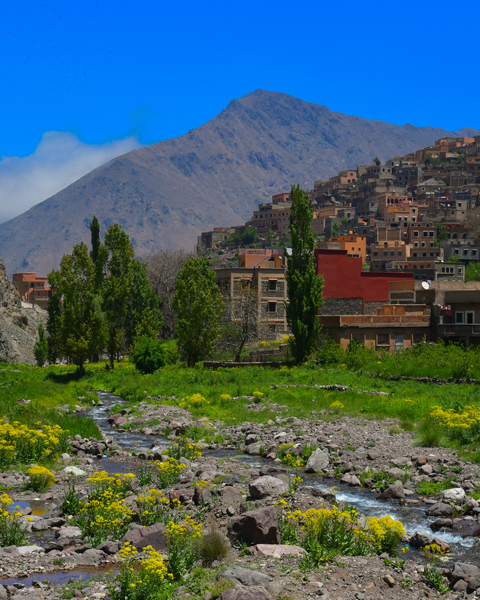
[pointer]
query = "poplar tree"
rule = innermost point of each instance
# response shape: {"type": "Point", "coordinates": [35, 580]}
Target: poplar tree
{"type": "Point", "coordinates": [144, 306]}
{"type": "Point", "coordinates": [54, 324]}
{"type": "Point", "coordinates": [117, 286]}
{"type": "Point", "coordinates": [199, 305]}
{"type": "Point", "coordinates": [304, 285]}
{"type": "Point", "coordinates": [81, 332]}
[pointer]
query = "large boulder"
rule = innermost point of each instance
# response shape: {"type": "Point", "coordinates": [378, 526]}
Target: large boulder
{"type": "Point", "coordinates": [440, 509]}
{"type": "Point", "coordinates": [317, 462]}
{"type": "Point", "coordinates": [421, 538]}
{"type": "Point", "coordinates": [263, 487]}
{"type": "Point", "coordinates": [463, 571]}
{"type": "Point", "coordinates": [276, 551]}
{"type": "Point", "coordinates": [256, 526]}
{"type": "Point", "coordinates": [153, 535]}
{"type": "Point", "coordinates": [395, 491]}
{"type": "Point", "coordinates": [240, 592]}
{"type": "Point", "coordinates": [75, 471]}
{"type": "Point", "coordinates": [456, 495]}
{"type": "Point", "coordinates": [249, 578]}
{"type": "Point", "coordinates": [254, 449]}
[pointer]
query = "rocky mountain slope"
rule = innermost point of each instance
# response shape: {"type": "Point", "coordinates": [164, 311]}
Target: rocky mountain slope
{"type": "Point", "coordinates": [18, 325]}
{"type": "Point", "coordinates": [165, 194]}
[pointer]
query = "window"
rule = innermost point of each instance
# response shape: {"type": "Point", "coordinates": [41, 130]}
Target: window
{"type": "Point", "coordinates": [270, 264]}
{"type": "Point", "coordinates": [459, 317]}
{"type": "Point", "coordinates": [432, 233]}
{"type": "Point", "coordinates": [423, 244]}
{"type": "Point", "coordinates": [469, 317]}
{"type": "Point", "coordinates": [272, 284]}
{"type": "Point", "coordinates": [383, 339]}
{"type": "Point", "coordinates": [272, 307]}
{"type": "Point", "coordinates": [415, 244]}
{"type": "Point", "coordinates": [425, 234]}
{"type": "Point", "coordinates": [418, 338]}
{"type": "Point", "coordinates": [415, 234]}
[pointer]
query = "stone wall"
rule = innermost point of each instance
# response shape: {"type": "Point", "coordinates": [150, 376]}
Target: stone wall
{"type": "Point", "coordinates": [342, 306]}
{"type": "Point", "coordinates": [268, 293]}
{"type": "Point", "coordinates": [370, 308]}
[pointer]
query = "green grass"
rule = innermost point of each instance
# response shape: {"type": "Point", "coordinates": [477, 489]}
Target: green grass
{"type": "Point", "coordinates": [408, 401]}
{"type": "Point", "coordinates": [429, 488]}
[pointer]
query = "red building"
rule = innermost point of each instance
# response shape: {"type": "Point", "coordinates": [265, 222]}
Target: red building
{"type": "Point", "coordinates": [347, 289]}
{"type": "Point", "coordinates": [33, 289]}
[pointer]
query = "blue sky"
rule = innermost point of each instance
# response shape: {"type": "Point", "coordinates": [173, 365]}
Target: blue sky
{"type": "Point", "coordinates": [104, 72]}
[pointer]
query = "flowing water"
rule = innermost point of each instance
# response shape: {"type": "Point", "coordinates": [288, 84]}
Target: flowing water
{"type": "Point", "coordinates": [412, 517]}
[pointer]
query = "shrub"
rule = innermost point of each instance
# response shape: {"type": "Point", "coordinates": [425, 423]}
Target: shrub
{"type": "Point", "coordinates": [149, 355]}
{"type": "Point", "coordinates": [40, 350]}
{"type": "Point", "coordinates": [104, 517]}
{"type": "Point", "coordinates": [184, 449]}
{"type": "Point", "coordinates": [40, 478]}
{"type": "Point", "coordinates": [181, 543]}
{"type": "Point", "coordinates": [168, 472]}
{"type": "Point", "coordinates": [11, 532]}
{"type": "Point", "coordinates": [20, 444]}
{"type": "Point", "coordinates": [211, 546]}
{"type": "Point", "coordinates": [140, 580]}
{"type": "Point", "coordinates": [155, 508]}
{"type": "Point", "coordinates": [327, 533]}
{"type": "Point", "coordinates": [430, 434]}
{"type": "Point", "coordinates": [72, 503]}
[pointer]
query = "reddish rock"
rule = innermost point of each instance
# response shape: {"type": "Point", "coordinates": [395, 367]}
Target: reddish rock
{"type": "Point", "coordinates": [277, 551]}
{"type": "Point", "coordinates": [422, 460]}
{"type": "Point", "coordinates": [256, 526]}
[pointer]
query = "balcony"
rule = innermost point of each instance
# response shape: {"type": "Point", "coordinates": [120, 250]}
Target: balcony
{"type": "Point", "coordinates": [458, 330]}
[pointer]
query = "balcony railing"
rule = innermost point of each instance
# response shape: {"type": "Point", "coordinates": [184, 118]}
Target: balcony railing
{"type": "Point", "coordinates": [458, 329]}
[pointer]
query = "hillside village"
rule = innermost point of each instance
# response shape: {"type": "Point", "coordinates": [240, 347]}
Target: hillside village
{"type": "Point", "coordinates": [402, 233]}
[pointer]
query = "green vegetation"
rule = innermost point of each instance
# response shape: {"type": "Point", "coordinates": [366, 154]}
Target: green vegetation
{"type": "Point", "coordinates": [199, 306]}
{"type": "Point", "coordinates": [40, 349]}
{"type": "Point", "coordinates": [472, 271]}
{"type": "Point", "coordinates": [430, 489]}
{"type": "Point", "coordinates": [304, 285]}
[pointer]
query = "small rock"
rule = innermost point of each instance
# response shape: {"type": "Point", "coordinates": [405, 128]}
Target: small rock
{"type": "Point", "coordinates": [421, 538]}
{"type": "Point", "coordinates": [388, 579]}
{"type": "Point", "coordinates": [454, 495]}
{"type": "Point", "coordinates": [74, 471]}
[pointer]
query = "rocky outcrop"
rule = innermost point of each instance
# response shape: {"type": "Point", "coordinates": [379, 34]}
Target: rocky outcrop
{"type": "Point", "coordinates": [18, 324]}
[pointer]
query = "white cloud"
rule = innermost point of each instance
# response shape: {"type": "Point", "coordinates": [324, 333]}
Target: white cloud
{"type": "Point", "coordinates": [59, 159]}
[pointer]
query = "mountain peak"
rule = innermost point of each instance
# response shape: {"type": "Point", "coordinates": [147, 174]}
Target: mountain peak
{"type": "Point", "coordinates": [166, 194]}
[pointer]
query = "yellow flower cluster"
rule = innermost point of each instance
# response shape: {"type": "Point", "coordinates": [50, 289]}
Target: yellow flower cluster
{"type": "Point", "coordinates": [180, 533]}
{"type": "Point", "coordinates": [343, 528]}
{"type": "Point", "coordinates": [40, 478]}
{"type": "Point", "coordinates": [257, 394]}
{"type": "Point", "coordinates": [105, 515]}
{"type": "Point", "coordinates": [184, 448]}
{"type": "Point", "coordinates": [294, 462]}
{"type": "Point", "coordinates": [168, 472]}
{"type": "Point", "coordinates": [139, 579]}
{"type": "Point", "coordinates": [435, 549]}
{"type": "Point", "coordinates": [19, 443]}
{"type": "Point", "coordinates": [194, 401]}
{"type": "Point", "coordinates": [225, 397]}
{"type": "Point", "coordinates": [469, 418]}
{"type": "Point", "coordinates": [11, 531]}
{"type": "Point", "coordinates": [5, 508]}
{"type": "Point", "coordinates": [337, 405]}
{"type": "Point", "coordinates": [154, 507]}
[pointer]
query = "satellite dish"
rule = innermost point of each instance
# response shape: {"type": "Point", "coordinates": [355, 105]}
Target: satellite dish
{"type": "Point", "coordinates": [425, 285]}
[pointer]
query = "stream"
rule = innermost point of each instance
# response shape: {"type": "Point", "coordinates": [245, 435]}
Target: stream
{"type": "Point", "coordinates": [412, 517]}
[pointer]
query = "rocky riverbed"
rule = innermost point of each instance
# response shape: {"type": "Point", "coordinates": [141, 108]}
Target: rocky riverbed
{"type": "Point", "coordinates": [370, 464]}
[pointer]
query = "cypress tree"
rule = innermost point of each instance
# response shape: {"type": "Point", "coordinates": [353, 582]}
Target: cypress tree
{"type": "Point", "coordinates": [304, 285]}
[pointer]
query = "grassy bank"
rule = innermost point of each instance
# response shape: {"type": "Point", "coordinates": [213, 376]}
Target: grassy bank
{"type": "Point", "coordinates": [208, 393]}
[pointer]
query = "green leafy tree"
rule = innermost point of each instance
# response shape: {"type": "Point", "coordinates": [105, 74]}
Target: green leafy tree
{"type": "Point", "coordinates": [54, 326]}
{"type": "Point", "coordinates": [143, 306]}
{"type": "Point", "coordinates": [82, 332]}
{"type": "Point", "coordinates": [117, 287]}
{"type": "Point", "coordinates": [453, 259]}
{"type": "Point", "coordinates": [40, 349]}
{"type": "Point", "coordinates": [472, 272]}
{"type": "Point", "coordinates": [344, 221]}
{"type": "Point", "coordinates": [335, 230]}
{"type": "Point", "coordinates": [442, 233]}
{"type": "Point", "coordinates": [270, 235]}
{"type": "Point", "coordinates": [199, 306]}
{"type": "Point", "coordinates": [304, 285]}
{"type": "Point", "coordinates": [95, 239]}
{"type": "Point", "coordinates": [377, 161]}
{"type": "Point", "coordinates": [428, 160]}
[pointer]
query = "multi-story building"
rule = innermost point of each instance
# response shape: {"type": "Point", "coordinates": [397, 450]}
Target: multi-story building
{"type": "Point", "coordinates": [33, 289]}
{"type": "Point", "coordinates": [270, 284]}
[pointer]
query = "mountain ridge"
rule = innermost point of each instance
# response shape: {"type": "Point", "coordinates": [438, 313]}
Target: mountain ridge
{"type": "Point", "coordinates": [167, 193]}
